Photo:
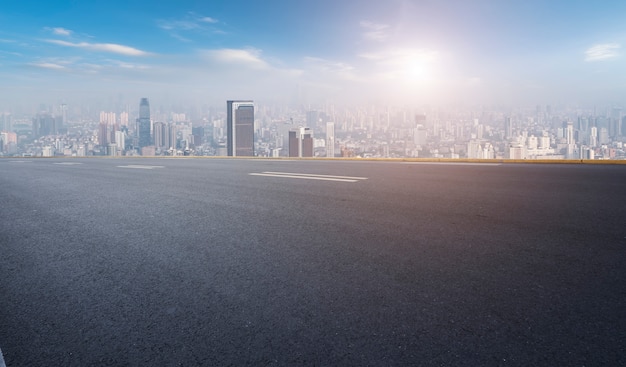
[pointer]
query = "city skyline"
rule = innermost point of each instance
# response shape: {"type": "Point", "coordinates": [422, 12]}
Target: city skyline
{"type": "Point", "coordinates": [284, 52]}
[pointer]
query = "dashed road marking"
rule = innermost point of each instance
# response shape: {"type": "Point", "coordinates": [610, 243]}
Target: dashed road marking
{"type": "Point", "coordinates": [309, 176]}
{"type": "Point", "coordinates": [139, 166]}
{"type": "Point", "coordinates": [67, 163]}
{"type": "Point", "coordinates": [455, 163]}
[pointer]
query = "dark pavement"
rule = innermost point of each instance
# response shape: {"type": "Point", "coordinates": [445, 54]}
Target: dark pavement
{"type": "Point", "coordinates": [195, 262]}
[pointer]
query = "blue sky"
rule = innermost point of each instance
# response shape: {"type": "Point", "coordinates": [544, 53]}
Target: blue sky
{"type": "Point", "coordinates": [403, 51]}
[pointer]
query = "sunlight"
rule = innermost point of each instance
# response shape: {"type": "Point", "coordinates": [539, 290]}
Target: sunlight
{"type": "Point", "coordinates": [416, 72]}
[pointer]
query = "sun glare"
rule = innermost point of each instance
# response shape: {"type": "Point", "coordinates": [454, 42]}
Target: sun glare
{"type": "Point", "coordinates": [416, 72]}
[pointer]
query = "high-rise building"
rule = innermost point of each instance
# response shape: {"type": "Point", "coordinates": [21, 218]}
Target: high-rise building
{"type": "Point", "coordinates": [300, 142]}
{"type": "Point", "coordinates": [508, 128]}
{"type": "Point", "coordinates": [44, 124]}
{"type": "Point", "coordinates": [63, 122]}
{"type": "Point", "coordinates": [103, 134]}
{"type": "Point", "coordinates": [330, 139]}
{"type": "Point", "coordinates": [312, 118]}
{"type": "Point", "coordinates": [120, 140]}
{"type": "Point", "coordinates": [5, 122]}
{"type": "Point", "coordinates": [240, 128]}
{"type": "Point", "coordinates": [143, 123]}
{"type": "Point", "coordinates": [159, 135]}
{"type": "Point", "coordinates": [593, 137]}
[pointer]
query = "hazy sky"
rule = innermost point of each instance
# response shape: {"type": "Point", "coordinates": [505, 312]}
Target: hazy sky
{"type": "Point", "coordinates": [410, 51]}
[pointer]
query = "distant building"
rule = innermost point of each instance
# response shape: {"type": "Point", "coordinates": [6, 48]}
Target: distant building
{"type": "Point", "coordinates": [508, 128]}
{"type": "Point", "coordinates": [5, 122]}
{"type": "Point", "coordinates": [517, 151]}
{"type": "Point", "coordinates": [240, 128]}
{"type": "Point", "coordinates": [419, 135]}
{"type": "Point", "coordinates": [330, 139]}
{"type": "Point", "coordinates": [103, 134]}
{"type": "Point", "coordinates": [44, 124]}
{"type": "Point", "coordinates": [300, 142]}
{"type": "Point", "coordinates": [143, 123]}
{"type": "Point", "coordinates": [120, 141]}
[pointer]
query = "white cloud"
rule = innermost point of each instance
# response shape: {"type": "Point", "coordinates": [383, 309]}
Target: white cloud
{"type": "Point", "coordinates": [127, 65]}
{"type": "Point", "coordinates": [61, 31]}
{"type": "Point", "coordinates": [375, 31]}
{"type": "Point", "coordinates": [208, 20]}
{"type": "Point", "coordinates": [602, 52]}
{"type": "Point", "coordinates": [327, 65]}
{"type": "Point", "coordinates": [250, 58]}
{"type": "Point", "coordinates": [103, 47]}
{"type": "Point", "coordinates": [191, 22]}
{"type": "Point", "coordinates": [339, 69]}
{"type": "Point", "coordinates": [48, 65]}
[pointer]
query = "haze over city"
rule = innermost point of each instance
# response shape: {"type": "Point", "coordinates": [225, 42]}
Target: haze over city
{"type": "Point", "coordinates": [400, 52]}
{"type": "Point", "coordinates": [312, 183]}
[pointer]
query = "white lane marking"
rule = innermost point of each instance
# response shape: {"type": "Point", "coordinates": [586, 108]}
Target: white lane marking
{"type": "Point", "coordinates": [139, 166]}
{"type": "Point", "coordinates": [314, 175]}
{"type": "Point", "coordinates": [2, 360]}
{"type": "Point", "coordinates": [305, 176]}
{"type": "Point", "coordinates": [21, 161]}
{"type": "Point", "coordinates": [67, 163]}
{"type": "Point", "coordinates": [455, 163]}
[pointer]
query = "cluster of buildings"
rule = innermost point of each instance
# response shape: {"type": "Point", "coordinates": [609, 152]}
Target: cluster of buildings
{"type": "Point", "coordinates": [246, 129]}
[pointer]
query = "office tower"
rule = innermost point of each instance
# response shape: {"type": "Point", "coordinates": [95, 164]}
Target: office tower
{"type": "Point", "coordinates": [103, 134]}
{"type": "Point", "coordinates": [419, 135]}
{"type": "Point", "coordinates": [5, 122]}
{"type": "Point", "coordinates": [593, 138]}
{"type": "Point", "coordinates": [143, 123]}
{"type": "Point", "coordinates": [330, 139]}
{"type": "Point", "coordinates": [569, 132]}
{"type": "Point", "coordinates": [508, 128]}
{"type": "Point", "coordinates": [474, 149]}
{"type": "Point", "coordinates": [603, 136]}
{"type": "Point", "coordinates": [44, 124]}
{"type": "Point", "coordinates": [159, 135]}
{"type": "Point", "coordinates": [198, 135]}
{"type": "Point", "coordinates": [517, 151]}
{"type": "Point", "coordinates": [120, 141]}
{"type": "Point", "coordinates": [170, 136]}
{"type": "Point", "coordinates": [569, 136]}
{"type": "Point", "coordinates": [124, 119]}
{"type": "Point", "coordinates": [300, 142]}
{"type": "Point", "coordinates": [240, 128]}
{"type": "Point", "coordinates": [63, 122]}
{"type": "Point", "coordinates": [312, 119]}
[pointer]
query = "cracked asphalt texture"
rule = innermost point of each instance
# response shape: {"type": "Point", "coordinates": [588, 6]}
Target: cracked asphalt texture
{"type": "Point", "coordinates": [197, 263]}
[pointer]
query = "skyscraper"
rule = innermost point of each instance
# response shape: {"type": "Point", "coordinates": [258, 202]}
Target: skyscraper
{"type": "Point", "coordinates": [330, 139]}
{"type": "Point", "coordinates": [143, 123]}
{"type": "Point", "coordinates": [300, 142]}
{"type": "Point", "coordinates": [240, 128]}
{"type": "Point", "coordinates": [508, 128]}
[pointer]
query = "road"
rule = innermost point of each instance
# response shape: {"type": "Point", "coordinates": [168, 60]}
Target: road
{"type": "Point", "coordinates": [203, 262]}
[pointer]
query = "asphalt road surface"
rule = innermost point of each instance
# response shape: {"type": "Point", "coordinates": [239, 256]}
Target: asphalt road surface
{"type": "Point", "coordinates": [215, 262]}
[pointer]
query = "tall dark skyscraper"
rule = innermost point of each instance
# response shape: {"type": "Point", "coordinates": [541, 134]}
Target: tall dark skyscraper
{"type": "Point", "coordinates": [143, 123]}
{"type": "Point", "coordinates": [240, 128]}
